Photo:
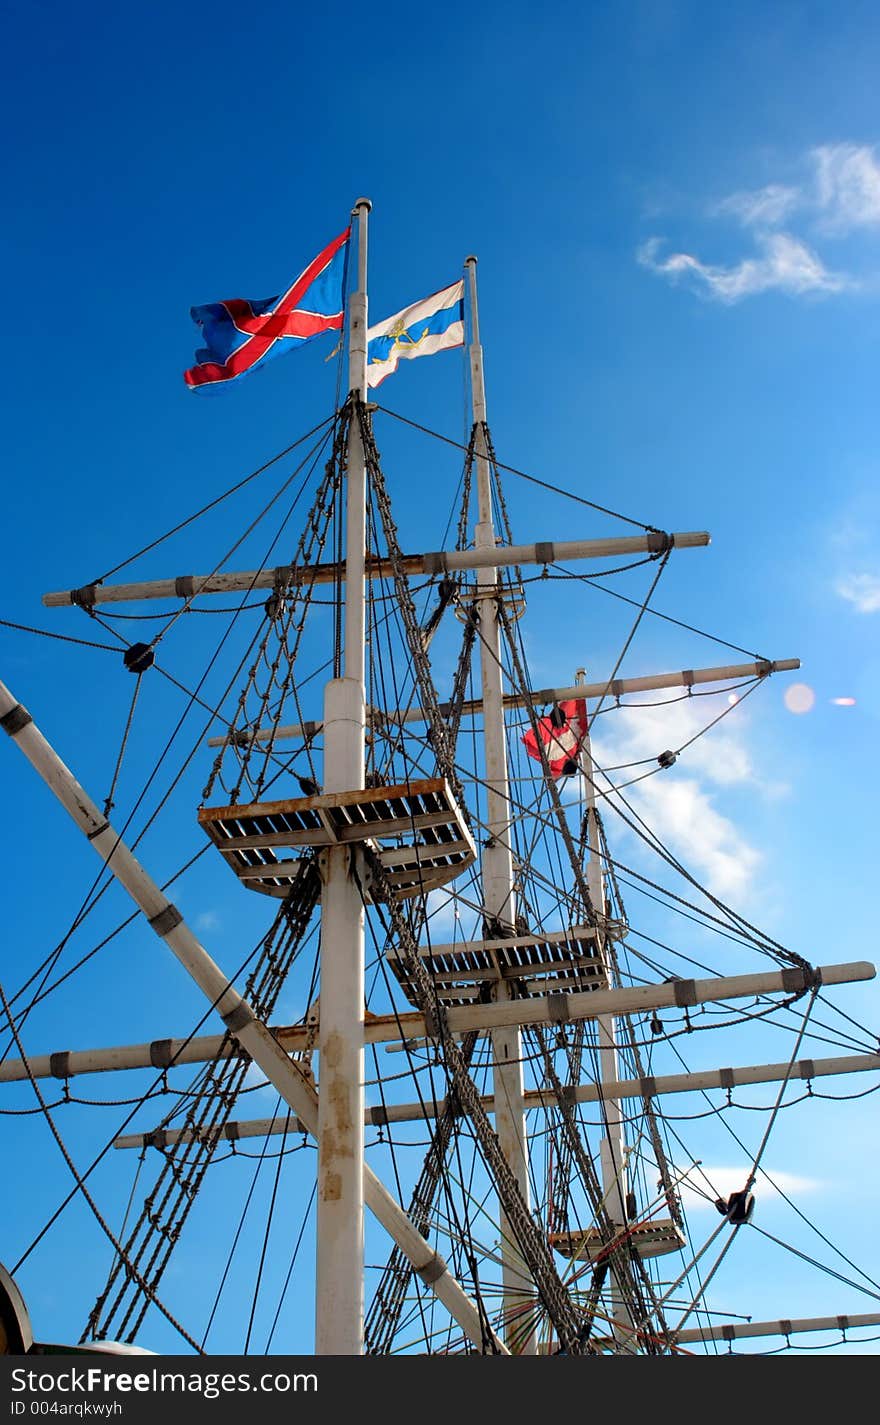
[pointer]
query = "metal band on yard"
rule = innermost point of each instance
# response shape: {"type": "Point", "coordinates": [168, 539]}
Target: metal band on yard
{"type": "Point", "coordinates": [433, 1270]}
{"type": "Point", "coordinates": [166, 921]}
{"type": "Point", "coordinates": [17, 718]}
{"type": "Point", "coordinates": [161, 1056]}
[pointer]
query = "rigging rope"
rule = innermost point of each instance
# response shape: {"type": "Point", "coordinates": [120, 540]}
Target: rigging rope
{"type": "Point", "coordinates": [290, 601]}
{"type": "Point", "coordinates": [185, 1162]}
{"type": "Point", "coordinates": [533, 479]}
{"type": "Point", "coordinates": [109, 802]}
{"type": "Point", "coordinates": [218, 500]}
{"type": "Point", "coordinates": [121, 1254]}
{"type": "Point", "coordinates": [529, 1236]}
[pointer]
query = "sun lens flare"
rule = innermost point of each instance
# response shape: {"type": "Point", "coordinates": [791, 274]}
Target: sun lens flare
{"type": "Point", "coordinates": [799, 698]}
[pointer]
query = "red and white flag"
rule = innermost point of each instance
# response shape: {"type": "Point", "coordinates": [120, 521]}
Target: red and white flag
{"type": "Point", "coordinates": [562, 734]}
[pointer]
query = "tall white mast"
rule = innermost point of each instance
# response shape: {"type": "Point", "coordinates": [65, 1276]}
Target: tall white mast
{"type": "Point", "coordinates": [339, 1313]}
{"type": "Point", "coordinates": [499, 899]}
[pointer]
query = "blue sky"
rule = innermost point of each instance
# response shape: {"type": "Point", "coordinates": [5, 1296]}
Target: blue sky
{"type": "Point", "coordinates": [676, 210]}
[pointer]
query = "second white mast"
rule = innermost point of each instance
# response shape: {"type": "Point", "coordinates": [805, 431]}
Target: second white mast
{"type": "Point", "coordinates": [499, 898]}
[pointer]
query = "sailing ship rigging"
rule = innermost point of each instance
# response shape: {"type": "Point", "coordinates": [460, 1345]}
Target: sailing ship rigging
{"type": "Point", "coordinates": [458, 991]}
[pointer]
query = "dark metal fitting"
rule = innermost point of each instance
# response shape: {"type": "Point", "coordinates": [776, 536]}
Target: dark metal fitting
{"type": "Point", "coordinates": [17, 718]}
{"type": "Point", "coordinates": [685, 992]}
{"type": "Point", "coordinates": [805, 977]}
{"type": "Point", "coordinates": [138, 658]}
{"type": "Point", "coordinates": [432, 1270]}
{"type": "Point", "coordinates": [59, 1065]}
{"type": "Point", "coordinates": [239, 1017]}
{"type": "Point", "coordinates": [166, 921]}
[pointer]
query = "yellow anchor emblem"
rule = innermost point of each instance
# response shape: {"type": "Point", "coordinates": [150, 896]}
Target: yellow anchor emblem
{"type": "Point", "coordinates": [399, 332]}
{"type": "Point", "coordinates": [402, 342]}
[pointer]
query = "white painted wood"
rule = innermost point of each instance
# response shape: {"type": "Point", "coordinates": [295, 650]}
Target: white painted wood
{"type": "Point", "coordinates": [266, 872]}
{"type": "Point", "coordinates": [586, 933]}
{"type": "Point", "coordinates": [392, 1029]}
{"type": "Point", "coordinates": [339, 1284]}
{"type": "Point", "coordinates": [612, 1147]}
{"type": "Point", "coordinates": [436, 562]}
{"type": "Point", "coordinates": [92, 1061]}
{"type": "Point", "coordinates": [499, 903]}
{"type": "Point", "coordinates": [252, 841]}
{"type": "Point", "coordinates": [643, 997]}
{"type": "Point", "coordinates": [739, 1330]}
{"type": "Point", "coordinates": [421, 851]}
{"type": "Point", "coordinates": [610, 688]}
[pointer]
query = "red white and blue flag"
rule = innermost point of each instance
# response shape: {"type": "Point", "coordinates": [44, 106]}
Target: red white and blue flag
{"type": "Point", "coordinates": [434, 324]}
{"type": "Point", "coordinates": [240, 334]}
{"type": "Point", "coordinates": [562, 735]}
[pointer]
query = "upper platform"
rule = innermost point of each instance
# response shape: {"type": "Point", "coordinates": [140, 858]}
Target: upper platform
{"type": "Point", "coordinates": [418, 829]}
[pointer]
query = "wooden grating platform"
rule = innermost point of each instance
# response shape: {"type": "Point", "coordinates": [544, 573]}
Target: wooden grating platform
{"type": "Point", "coordinates": [557, 963]}
{"type": "Point", "coordinates": [654, 1238]}
{"type": "Point", "coordinates": [418, 829]}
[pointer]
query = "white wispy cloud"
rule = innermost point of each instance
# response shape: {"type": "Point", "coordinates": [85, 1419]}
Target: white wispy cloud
{"type": "Point", "coordinates": [764, 207]}
{"type": "Point", "coordinates": [860, 590]}
{"type": "Point", "coordinates": [785, 265]}
{"type": "Point", "coordinates": [443, 911]}
{"type": "Point", "coordinates": [838, 193]}
{"type": "Point", "coordinates": [208, 920]}
{"type": "Point", "coordinates": [854, 575]}
{"type": "Point", "coordinates": [646, 728]}
{"type": "Point", "coordinates": [678, 803]}
{"type": "Point", "coordinates": [847, 186]}
{"type": "Point", "coordinates": [725, 1180]}
{"type": "Point", "coordinates": [683, 816]}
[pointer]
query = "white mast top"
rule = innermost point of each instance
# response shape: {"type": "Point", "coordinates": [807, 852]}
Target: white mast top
{"type": "Point", "coordinates": [357, 327]}
{"type": "Point", "coordinates": [478, 398]}
{"type": "Point", "coordinates": [355, 504]}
